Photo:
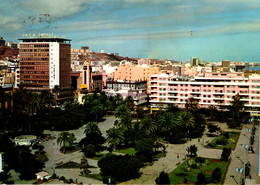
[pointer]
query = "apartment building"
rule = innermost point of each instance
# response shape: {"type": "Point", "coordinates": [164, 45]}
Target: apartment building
{"type": "Point", "coordinates": [211, 89]}
{"type": "Point", "coordinates": [131, 72]}
{"type": "Point", "coordinates": [45, 63]}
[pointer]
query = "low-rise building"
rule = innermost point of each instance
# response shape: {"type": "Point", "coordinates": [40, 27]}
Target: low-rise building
{"type": "Point", "coordinates": [135, 89]}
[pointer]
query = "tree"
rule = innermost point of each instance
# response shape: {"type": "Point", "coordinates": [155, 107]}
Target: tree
{"type": "Point", "coordinates": [93, 135]}
{"type": "Point", "coordinates": [167, 121]}
{"type": "Point", "coordinates": [122, 111]}
{"type": "Point", "coordinates": [235, 111]}
{"type": "Point", "coordinates": [96, 110]}
{"type": "Point", "coordinates": [201, 178]}
{"type": "Point", "coordinates": [121, 168]}
{"type": "Point", "coordinates": [118, 99]}
{"type": "Point", "coordinates": [225, 154]}
{"type": "Point", "coordinates": [173, 108]}
{"type": "Point", "coordinates": [148, 125]}
{"type": "Point", "coordinates": [115, 137]}
{"type": "Point", "coordinates": [213, 128]}
{"type": "Point", "coordinates": [84, 166]}
{"type": "Point", "coordinates": [216, 174]}
{"type": "Point", "coordinates": [139, 113]}
{"type": "Point", "coordinates": [129, 102]}
{"type": "Point", "coordinates": [163, 178]}
{"type": "Point", "coordinates": [192, 150]}
{"type": "Point", "coordinates": [144, 149]}
{"type": "Point", "coordinates": [89, 150]}
{"type": "Point", "coordinates": [191, 104]}
{"type": "Point", "coordinates": [65, 138]}
{"type": "Point", "coordinates": [186, 120]}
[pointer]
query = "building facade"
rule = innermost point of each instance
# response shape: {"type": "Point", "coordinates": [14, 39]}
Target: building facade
{"type": "Point", "coordinates": [134, 73]}
{"type": "Point", "coordinates": [45, 63]}
{"type": "Point", "coordinates": [212, 89]}
{"type": "Point", "coordinates": [135, 89]}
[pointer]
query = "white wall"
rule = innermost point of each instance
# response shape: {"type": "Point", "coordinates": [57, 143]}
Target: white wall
{"type": "Point", "coordinates": [54, 64]}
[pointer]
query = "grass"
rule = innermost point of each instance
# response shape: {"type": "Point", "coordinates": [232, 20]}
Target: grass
{"type": "Point", "coordinates": [69, 164]}
{"type": "Point", "coordinates": [159, 155]}
{"type": "Point", "coordinates": [93, 176]}
{"type": "Point", "coordinates": [178, 175]}
{"type": "Point", "coordinates": [98, 156]}
{"type": "Point", "coordinates": [231, 141]}
{"type": "Point", "coordinates": [130, 151]}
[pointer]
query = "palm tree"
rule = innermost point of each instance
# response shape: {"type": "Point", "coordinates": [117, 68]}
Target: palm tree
{"type": "Point", "coordinates": [167, 121]}
{"type": "Point", "coordinates": [84, 166]}
{"type": "Point", "coordinates": [115, 137]}
{"type": "Point", "coordinates": [139, 113]}
{"type": "Point", "coordinates": [186, 120]}
{"type": "Point", "coordinates": [96, 110]}
{"type": "Point", "coordinates": [65, 138]}
{"type": "Point", "coordinates": [122, 110]}
{"type": "Point", "coordinates": [129, 101]}
{"type": "Point", "coordinates": [148, 125]}
{"type": "Point", "coordinates": [93, 135]}
{"type": "Point", "coordinates": [191, 104]}
{"type": "Point", "coordinates": [56, 90]}
{"type": "Point", "coordinates": [91, 128]}
{"type": "Point", "coordinates": [118, 99]}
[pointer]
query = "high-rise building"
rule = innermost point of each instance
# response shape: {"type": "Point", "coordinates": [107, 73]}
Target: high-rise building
{"type": "Point", "coordinates": [45, 63]}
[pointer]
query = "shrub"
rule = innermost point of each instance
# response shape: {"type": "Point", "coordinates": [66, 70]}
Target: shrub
{"type": "Point", "coordinates": [89, 150]}
{"type": "Point", "coordinates": [163, 178]}
{"type": "Point", "coordinates": [192, 150]}
{"type": "Point", "coordinates": [216, 174]}
{"type": "Point", "coordinates": [213, 128]}
{"type": "Point", "coordinates": [121, 168]}
{"type": "Point", "coordinates": [226, 134]}
{"type": "Point", "coordinates": [225, 154]}
{"type": "Point", "coordinates": [54, 176]}
{"type": "Point", "coordinates": [201, 178]}
{"type": "Point", "coordinates": [221, 141]}
{"type": "Point", "coordinates": [62, 178]}
{"type": "Point", "coordinates": [200, 160]}
{"type": "Point", "coordinates": [144, 149]}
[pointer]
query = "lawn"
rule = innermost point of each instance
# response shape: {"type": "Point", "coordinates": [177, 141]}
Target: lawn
{"type": "Point", "coordinates": [221, 141]}
{"type": "Point", "coordinates": [93, 176]}
{"type": "Point", "coordinates": [130, 151]}
{"type": "Point", "coordinates": [178, 175]}
{"type": "Point", "coordinates": [70, 164]}
{"type": "Point", "coordinates": [98, 156]}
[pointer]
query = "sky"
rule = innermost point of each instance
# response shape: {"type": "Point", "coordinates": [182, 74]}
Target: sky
{"type": "Point", "coordinates": [211, 30]}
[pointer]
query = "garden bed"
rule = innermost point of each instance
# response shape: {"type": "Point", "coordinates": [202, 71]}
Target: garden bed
{"type": "Point", "coordinates": [178, 175]}
{"type": "Point", "coordinates": [222, 141]}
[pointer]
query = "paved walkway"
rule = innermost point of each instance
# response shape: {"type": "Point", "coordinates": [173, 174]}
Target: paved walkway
{"type": "Point", "coordinates": [55, 156]}
{"type": "Point", "coordinates": [239, 155]}
{"type": "Point", "coordinates": [170, 161]}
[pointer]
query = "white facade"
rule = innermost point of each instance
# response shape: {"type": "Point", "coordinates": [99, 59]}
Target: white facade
{"type": "Point", "coordinates": [54, 64]}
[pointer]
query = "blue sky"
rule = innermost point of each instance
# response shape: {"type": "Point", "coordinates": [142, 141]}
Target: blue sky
{"type": "Point", "coordinates": [165, 29]}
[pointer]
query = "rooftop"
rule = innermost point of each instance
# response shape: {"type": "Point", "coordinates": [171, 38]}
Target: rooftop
{"type": "Point", "coordinates": [44, 39]}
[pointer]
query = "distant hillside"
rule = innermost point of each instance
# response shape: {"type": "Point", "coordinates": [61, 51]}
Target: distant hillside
{"type": "Point", "coordinates": [109, 57]}
{"type": "Point", "coordinates": [8, 52]}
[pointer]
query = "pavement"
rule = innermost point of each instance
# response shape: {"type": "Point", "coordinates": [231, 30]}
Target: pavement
{"type": "Point", "coordinates": [55, 156]}
{"type": "Point", "coordinates": [167, 163]}
{"type": "Point", "coordinates": [240, 155]}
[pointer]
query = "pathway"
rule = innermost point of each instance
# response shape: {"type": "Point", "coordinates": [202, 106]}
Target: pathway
{"type": "Point", "coordinates": [55, 156]}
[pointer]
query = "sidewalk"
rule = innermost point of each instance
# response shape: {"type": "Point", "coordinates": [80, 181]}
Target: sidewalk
{"type": "Point", "coordinates": [241, 155]}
